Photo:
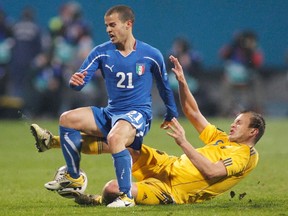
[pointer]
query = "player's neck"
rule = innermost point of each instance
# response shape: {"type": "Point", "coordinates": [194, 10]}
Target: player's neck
{"type": "Point", "coordinates": [249, 143]}
{"type": "Point", "coordinates": [127, 46]}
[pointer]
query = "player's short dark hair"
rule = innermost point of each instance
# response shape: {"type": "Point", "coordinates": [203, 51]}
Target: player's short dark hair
{"type": "Point", "coordinates": [125, 12]}
{"type": "Point", "coordinates": [256, 121]}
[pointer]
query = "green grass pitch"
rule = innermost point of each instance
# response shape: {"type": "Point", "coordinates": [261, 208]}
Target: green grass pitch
{"type": "Point", "coordinates": [24, 172]}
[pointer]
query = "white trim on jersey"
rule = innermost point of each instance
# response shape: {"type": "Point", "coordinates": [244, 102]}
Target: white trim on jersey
{"type": "Point", "coordinates": [159, 68]}
{"type": "Point", "coordinates": [85, 69]}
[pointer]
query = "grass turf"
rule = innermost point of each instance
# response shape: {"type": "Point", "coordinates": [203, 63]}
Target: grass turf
{"type": "Point", "coordinates": [24, 172]}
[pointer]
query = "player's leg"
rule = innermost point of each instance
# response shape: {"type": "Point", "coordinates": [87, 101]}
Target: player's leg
{"type": "Point", "coordinates": [122, 135]}
{"type": "Point", "coordinates": [93, 145]}
{"type": "Point", "coordinates": [89, 199]}
{"type": "Point", "coordinates": [151, 170]}
{"type": "Point", "coordinates": [109, 194]}
{"type": "Point", "coordinates": [45, 140]}
{"type": "Point", "coordinates": [70, 125]}
{"type": "Point", "coordinates": [128, 129]}
{"type": "Point", "coordinates": [151, 187]}
{"type": "Point", "coordinates": [150, 191]}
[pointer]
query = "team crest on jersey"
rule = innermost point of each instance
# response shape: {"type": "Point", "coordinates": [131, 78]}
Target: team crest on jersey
{"type": "Point", "coordinates": [140, 69]}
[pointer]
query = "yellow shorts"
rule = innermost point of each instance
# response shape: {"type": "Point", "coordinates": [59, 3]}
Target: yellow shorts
{"type": "Point", "coordinates": [153, 190]}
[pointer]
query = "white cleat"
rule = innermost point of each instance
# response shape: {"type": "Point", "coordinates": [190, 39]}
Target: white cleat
{"type": "Point", "coordinates": [42, 137]}
{"type": "Point", "coordinates": [122, 201]}
{"type": "Point", "coordinates": [65, 181]}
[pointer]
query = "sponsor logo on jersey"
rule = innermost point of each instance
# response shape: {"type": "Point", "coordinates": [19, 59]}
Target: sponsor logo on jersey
{"type": "Point", "coordinates": [110, 68]}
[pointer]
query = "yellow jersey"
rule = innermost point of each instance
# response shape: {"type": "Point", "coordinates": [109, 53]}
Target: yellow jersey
{"type": "Point", "coordinates": [162, 177]}
{"type": "Point", "coordinates": [189, 185]}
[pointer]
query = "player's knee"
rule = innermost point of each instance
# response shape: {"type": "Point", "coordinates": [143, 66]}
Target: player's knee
{"type": "Point", "coordinates": [69, 119]}
{"type": "Point", "coordinates": [63, 120]}
{"type": "Point", "coordinates": [117, 140]}
{"type": "Point", "coordinates": [114, 140]}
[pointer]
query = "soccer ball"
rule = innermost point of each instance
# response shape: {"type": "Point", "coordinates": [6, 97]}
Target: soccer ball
{"type": "Point", "coordinates": [70, 192]}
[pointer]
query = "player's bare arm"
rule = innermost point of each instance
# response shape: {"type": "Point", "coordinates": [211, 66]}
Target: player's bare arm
{"type": "Point", "coordinates": [189, 105]}
{"type": "Point", "coordinates": [77, 78]}
{"type": "Point", "coordinates": [205, 166]}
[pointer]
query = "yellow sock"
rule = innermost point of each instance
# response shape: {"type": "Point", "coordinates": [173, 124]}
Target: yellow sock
{"type": "Point", "coordinates": [55, 142]}
{"type": "Point", "coordinates": [90, 144]}
{"type": "Point", "coordinates": [93, 144]}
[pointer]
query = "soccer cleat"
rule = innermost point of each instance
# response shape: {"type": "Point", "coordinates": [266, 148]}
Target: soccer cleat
{"type": "Point", "coordinates": [69, 193]}
{"type": "Point", "coordinates": [122, 201]}
{"type": "Point", "coordinates": [86, 199]}
{"type": "Point", "coordinates": [66, 181]}
{"type": "Point", "coordinates": [42, 137]}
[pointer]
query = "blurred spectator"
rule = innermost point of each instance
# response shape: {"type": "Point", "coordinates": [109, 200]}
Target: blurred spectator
{"type": "Point", "coordinates": [71, 34]}
{"type": "Point", "coordinates": [6, 44]}
{"type": "Point", "coordinates": [46, 82]}
{"type": "Point", "coordinates": [71, 43]}
{"type": "Point", "coordinates": [242, 59]}
{"type": "Point", "coordinates": [27, 45]}
{"type": "Point", "coordinates": [191, 62]}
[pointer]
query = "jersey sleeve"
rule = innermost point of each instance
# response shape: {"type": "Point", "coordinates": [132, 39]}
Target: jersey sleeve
{"type": "Point", "coordinates": [238, 156]}
{"type": "Point", "coordinates": [90, 64]}
{"type": "Point", "coordinates": [212, 134]}
{"type": "Point", "coordinates": [162, 82]}
{"type": "Point", "coordinates": [237, 160]}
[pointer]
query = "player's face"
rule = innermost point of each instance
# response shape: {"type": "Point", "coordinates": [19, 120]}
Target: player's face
{"type": "Point", "coordinates": [116, 29]}
{"type": "Point", "coordinates": [240, 131]}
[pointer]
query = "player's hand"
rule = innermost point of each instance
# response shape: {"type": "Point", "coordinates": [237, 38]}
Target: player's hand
{"type": "Point", "coordinates": [178, 71]}
{"type": "Point", "coordinates": [77, 78]}
{"type": "Point", "coordinates": [165, 124]}
{"type": "Point", "coordinates": [177, 132]}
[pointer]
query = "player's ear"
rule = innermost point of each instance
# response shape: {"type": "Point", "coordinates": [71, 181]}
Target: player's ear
{"type": "Point", "coordinates": [129, 24]}
{"type": "Point", "coordinates": [254, 131]}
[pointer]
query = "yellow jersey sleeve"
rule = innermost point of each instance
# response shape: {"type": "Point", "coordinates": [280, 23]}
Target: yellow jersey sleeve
{"type": "Point", "coordinates": [212, 134]}
{"type": "Point", "coordinates": [236, 157]}
{"type": "Point", "coordinates": [237, 160]}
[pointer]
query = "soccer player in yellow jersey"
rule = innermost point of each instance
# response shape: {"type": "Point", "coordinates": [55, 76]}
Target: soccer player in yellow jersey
{"type": "Point", "coordinates": [198, 174]}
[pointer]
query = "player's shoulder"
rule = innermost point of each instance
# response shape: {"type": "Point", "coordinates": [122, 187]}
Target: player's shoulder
{"type": "Point", "coordinates": [108, 45]}
{"type": "Point", "coordinates": [147, 47]}
{"type": "Point", "coordinates": [253, 151]}
{"type": "Point", "coordinates": [245, 149]}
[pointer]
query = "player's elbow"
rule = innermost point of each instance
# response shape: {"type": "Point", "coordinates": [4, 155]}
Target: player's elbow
{"type": "Point", "coordinates": [211, 175]}
{"type": "Point", "coordinates": [186, 108]}
{"type": "Point", "coordinates": [217, 170]}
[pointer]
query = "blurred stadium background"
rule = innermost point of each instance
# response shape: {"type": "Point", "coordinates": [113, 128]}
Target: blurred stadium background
{"type": "Point", "coordinates": [208, 25]}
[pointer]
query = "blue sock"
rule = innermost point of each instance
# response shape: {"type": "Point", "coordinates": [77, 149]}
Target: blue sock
{"type": "Point", "coordinates": [70, 140]}
{"type": "Point", "coordinates": [123, 165]}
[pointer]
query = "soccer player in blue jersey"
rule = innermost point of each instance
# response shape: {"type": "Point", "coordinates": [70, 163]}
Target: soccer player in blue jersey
{"type": "Point", "coordinates": [197, 175]}
{"type": "Point", "coordinates": [128, 67]}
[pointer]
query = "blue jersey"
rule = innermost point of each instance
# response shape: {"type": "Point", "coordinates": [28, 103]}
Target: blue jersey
{"type": "Point", "coordinates": [129, 79]}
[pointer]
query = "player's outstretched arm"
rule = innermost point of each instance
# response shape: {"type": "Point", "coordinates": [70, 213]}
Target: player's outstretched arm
{"type": "Point", "coordinates": [189, 105]}
{"type": "Point", "coordinates": [204, 165]}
